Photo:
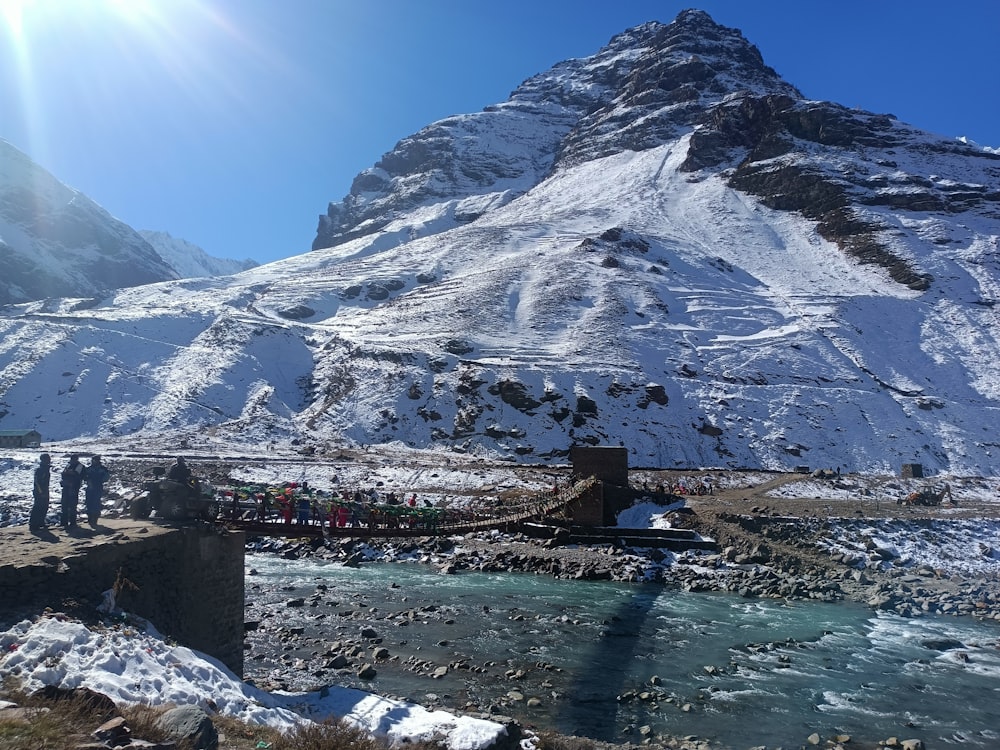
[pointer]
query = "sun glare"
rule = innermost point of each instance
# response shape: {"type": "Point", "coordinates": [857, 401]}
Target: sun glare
{"type": "Point", "coordinates": [182, 62]}
{"type": "Point", "coordinates": [12, 12]}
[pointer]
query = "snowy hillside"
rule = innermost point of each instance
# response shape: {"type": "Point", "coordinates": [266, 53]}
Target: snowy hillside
{"type": "Point", "coordinates": [56, 242]}
{"type": "Point", "coordinates": [188, 260]}
{"type": "Point", "coordinates": [662, 246]}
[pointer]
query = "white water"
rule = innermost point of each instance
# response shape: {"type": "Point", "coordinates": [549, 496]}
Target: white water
{"type": "Point", "coordinates": [781, 670]}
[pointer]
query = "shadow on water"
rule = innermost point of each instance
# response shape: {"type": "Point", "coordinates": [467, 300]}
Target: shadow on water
{"type": "Point", "coordinates": [591, 705]}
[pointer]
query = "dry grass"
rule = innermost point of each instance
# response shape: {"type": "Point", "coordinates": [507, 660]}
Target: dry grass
{"type": "Point", "coordinates": [68, 722]}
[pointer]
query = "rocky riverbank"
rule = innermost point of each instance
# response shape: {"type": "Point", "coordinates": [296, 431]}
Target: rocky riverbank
{"type": "Point", "coordinates": [759, 554]}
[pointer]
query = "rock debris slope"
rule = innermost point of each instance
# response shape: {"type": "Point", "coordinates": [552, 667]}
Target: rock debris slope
{"type": "Point", "coordinates": [664, 246]}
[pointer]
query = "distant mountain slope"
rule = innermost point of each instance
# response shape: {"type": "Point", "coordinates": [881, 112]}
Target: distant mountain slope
{"type": "Point", "coordinates": [662, 246]}
{"type": "Point", "coordinates": [190, 261]}
{"type": "Point", "coordinates": [56, 242]}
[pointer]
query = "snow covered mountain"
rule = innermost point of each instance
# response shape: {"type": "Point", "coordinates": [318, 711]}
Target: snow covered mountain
{"type": "Point", "coordinates": [188, 260]}
{"type": "Point", "coordinates": [56, 242]}
{"type": "Point", "coordinates": [663, 246]}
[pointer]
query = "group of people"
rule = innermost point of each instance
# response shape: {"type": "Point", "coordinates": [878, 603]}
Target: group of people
{"type": "Point", "coordinates": [297, 502]}
{"type": "Point", "coordinates": [74, 476]}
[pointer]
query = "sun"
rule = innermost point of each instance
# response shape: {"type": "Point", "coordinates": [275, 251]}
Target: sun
{"type": "Point", "coordinates": [12, 12]}
{"type": "Point", "coordinates": [19, 16]}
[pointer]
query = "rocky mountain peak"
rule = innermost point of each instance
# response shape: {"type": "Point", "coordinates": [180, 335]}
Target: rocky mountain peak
{"type": "Point", "coordinates": [643, 87]}
{"type": "Point", "coordinates": [676, 73]}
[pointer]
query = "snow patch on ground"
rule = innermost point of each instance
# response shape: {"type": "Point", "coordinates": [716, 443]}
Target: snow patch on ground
{"type": "Point", "coordinates": [131, 663]}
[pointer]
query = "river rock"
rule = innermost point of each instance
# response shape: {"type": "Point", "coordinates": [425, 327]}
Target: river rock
{"type": "Point", "coordinates": [114, 732]}
{"type": "Point", "coordinates": [367, 672]}
{"type": "Point", "coordinates": [941, 644]}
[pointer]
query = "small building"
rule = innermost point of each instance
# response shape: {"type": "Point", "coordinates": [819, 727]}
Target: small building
{"type": "Point", "coordinates": [20, 438]}
{"type": "Point", "coordinates": [912, 471]}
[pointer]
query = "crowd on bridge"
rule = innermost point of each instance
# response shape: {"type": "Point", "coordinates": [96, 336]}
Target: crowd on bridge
{"type": "Point", "coordinates": [291, 503]}
{"type": "Point", "coordinates": [297, 503]}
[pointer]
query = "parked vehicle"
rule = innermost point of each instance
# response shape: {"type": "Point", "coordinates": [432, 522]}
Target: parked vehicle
{"type": "Point", "coordinates": [928, 496]}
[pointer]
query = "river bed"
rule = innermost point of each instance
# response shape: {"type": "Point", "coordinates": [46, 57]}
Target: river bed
{"type": "Point", "coordinates": [620, 662]}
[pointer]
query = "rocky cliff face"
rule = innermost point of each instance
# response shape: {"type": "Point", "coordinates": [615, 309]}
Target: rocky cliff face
{"type": "Point", "coordinates": [56, 242]}
{"type": "Point", "coordinates": [791, 153]}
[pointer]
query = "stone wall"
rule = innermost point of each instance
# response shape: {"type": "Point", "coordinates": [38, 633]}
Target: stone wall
{"type": "Point", "coordinates": [588, 508]}
{"type": "Point", "coordinates": [188, 582]}
{"type": "Point", "coordinates": [609, 464]}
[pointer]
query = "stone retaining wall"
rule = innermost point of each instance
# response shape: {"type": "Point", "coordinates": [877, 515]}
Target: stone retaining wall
{"type": "Point", "coordinates": [188, 582]}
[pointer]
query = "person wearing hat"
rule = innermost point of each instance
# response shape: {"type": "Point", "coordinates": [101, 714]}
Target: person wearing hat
{"type": "Point", "coordinates": [40, 493]}
{"type": "Point", "coordinates": [97, 475]}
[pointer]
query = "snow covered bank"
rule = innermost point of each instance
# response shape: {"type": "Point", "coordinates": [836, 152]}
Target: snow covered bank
{"type": "Point", "coordinates": [131, 663]}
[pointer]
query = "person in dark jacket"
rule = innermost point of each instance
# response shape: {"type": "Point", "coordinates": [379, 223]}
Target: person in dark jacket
{"type": "Point", "coordinates": [97, 475]}
{"type": "Point", "coordinates": [180, 471]}
{"type": "Point", "coordinates": [40, 493]}
{"type": "Point", "coordinates": [71, 480]}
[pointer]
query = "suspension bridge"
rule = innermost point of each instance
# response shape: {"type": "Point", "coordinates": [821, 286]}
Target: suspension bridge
{"type": "Point", "coordinates": [403, 521]}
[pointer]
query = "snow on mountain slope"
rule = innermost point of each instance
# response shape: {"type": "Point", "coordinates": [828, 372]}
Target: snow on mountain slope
{"type": "Point", "coordinates": [662, 246]}
{"type": "Point", "coordinates": [56, 242]}
{"type": "Point", "coordinates": [188, 260]}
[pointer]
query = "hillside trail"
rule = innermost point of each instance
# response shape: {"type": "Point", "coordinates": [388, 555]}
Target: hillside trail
{"type": "Point", "coordinates": [845, 496]}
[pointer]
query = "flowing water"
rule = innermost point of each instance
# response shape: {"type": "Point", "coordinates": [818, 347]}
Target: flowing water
{"type": "Point", "coordinates": [605, 660]}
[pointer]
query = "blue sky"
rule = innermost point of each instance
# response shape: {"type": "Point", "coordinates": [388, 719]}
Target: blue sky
{"type": "Point", "coordinates": [233, 123]}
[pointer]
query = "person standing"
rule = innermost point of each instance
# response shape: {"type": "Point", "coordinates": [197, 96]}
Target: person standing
{"type": "Point", "coordinates": [97, 474]}
{"type": "Point", "coordinates": [71, 480]}
{"type": "Point", "coordinates": [40, 493]}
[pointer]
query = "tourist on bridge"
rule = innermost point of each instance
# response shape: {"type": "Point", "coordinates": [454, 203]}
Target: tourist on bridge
{"type": "Point", "coordinates": [287, 509]}
{"type": "Point", "coordinates": [40, 493]}
{"type": "Point", "coordinates": [303, 506]}
{"type": "Point", "coordinates": [71, 480]}
{"type": "Point", "coordinates": [97, 474]}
